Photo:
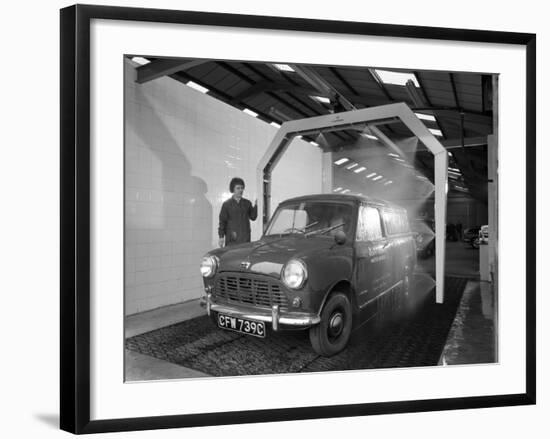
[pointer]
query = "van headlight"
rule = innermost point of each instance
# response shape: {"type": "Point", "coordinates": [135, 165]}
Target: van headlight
{"type": "Point", "coordinates": [294, 274]}
{"type": "Point", "coordinates": [209, 266]}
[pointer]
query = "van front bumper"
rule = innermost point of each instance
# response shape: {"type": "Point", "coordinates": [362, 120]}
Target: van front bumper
{"type": "Point", "coordinates": [275, 315]}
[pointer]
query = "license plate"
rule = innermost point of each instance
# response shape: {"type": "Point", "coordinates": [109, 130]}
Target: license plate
{"type": "Point", "coordinates": [244, 326]}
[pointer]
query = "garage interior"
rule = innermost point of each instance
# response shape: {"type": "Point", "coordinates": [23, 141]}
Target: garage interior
{"type": "Point", "coordinates": [193, 124]}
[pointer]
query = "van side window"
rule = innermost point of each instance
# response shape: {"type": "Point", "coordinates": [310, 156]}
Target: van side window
{"type": "Point", "coordinates": [368, 225]}
{"type": "Point", "coordinates": [395, 222]}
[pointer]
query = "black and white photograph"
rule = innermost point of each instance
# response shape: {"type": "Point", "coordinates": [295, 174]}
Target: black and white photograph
{"type": "Point", "coordinates": [282, 218]}
{"type": "Point", "coordinates": [292, 218]}
{"type": "Point", "coordinates": [275, 219]}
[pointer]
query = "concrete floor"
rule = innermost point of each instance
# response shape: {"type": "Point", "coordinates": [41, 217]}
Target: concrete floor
{"type": "Point", "coordinates": [158, 318]}
{"type": "Point", "coordinates": [472, 338]}
{"type": "Point", "coordinates": [138, 367]}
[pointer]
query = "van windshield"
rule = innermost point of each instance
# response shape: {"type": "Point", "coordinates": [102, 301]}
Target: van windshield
{"type": "Point", "coordinates": [311, 218]}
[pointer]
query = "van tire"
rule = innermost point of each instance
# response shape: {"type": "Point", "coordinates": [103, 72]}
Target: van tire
{"type": "Point", "coordinates": [332, 334]}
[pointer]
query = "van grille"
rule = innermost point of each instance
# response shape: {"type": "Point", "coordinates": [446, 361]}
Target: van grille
{"type": "Point", "coordinates": [250, 290]}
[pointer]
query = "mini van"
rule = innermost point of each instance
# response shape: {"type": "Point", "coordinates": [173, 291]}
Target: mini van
{"type": "Point", "coordinates": [323, 265]}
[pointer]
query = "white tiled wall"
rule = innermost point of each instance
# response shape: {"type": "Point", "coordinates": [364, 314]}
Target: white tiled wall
{"type": "Point", "coordinates": [181, 150]}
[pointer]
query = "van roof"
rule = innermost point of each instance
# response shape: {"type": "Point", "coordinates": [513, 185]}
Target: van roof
{"type": "Point", "coordinates": [343, 197]}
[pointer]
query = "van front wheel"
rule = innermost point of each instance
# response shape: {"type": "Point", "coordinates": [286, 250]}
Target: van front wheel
{"type": "Point", "coordinates": [332, 334]}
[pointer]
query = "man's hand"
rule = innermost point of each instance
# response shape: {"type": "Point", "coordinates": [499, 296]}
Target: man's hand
{"type": "Point", "coordinates": [221, 242]}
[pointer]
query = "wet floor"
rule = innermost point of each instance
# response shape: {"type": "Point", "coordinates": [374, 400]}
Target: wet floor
{"type": "Point", "coordinates": [461, 331]}
{"type": "Point", "coordinates": [473, 336]}
{"type": "Point", "coordinates": [414, 339]}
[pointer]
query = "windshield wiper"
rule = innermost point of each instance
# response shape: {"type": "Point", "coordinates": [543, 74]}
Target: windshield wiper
{"type": "Point", "coordinates": [310, 225]}
{"type": "Point", "coordinates": [301, 230]}
{"type": "Point", "coordinates": [325, 230]}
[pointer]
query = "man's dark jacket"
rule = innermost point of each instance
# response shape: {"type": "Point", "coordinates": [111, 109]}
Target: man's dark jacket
{"type": "Point", "coordinates": [235, 220]}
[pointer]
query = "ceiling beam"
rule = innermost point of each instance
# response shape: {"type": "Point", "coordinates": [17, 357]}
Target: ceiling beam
{"type": "Point", "coordinates": [470, 127]}
{"type": "Point", "coordinates": [252, 83]}
{"type": "Point", "coordinates": [165, 67]}
{"type": "Point", "coordinates": [381, 86]}
{"type": "Point", "coordinates": [265, 86]}
{"type": "Point", "coordinates": [258, 72]}
{"type": "Point", "coordinates": [294, 87]}
{"type": "Point", "coordinates": [325, 88]}
{"type": "Point", "coordinates": [468, 142]}
{"type": "Point", "coordinates": [343, 80]}
{"type": "Point", "coordinates": [428, 101]}
{"type": "Point", "coordinates": [486, 117]}
{"type": "Point", "coordinates": [236, 72]}
{"type": "Point", "coordinates": [455, 94]}
{"type": "Point", "coordinates": [421, 84]}
{"type": "Point", "coordinates": [415, 96]}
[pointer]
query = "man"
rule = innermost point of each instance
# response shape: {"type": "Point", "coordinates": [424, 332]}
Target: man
{"type": "Point", "coordinates": [235, 214]}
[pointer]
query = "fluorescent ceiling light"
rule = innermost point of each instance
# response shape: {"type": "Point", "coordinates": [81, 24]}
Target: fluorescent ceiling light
{"type": "Point", "coordinates": [353, 165]}
{"type": "Point", "coordinates": [275, 124]}
{"type": "Point", "coordinates": [396, 78]}
{"type": "Point", "coordinates": [360, 169]}
{"type": "Point", "coordinates": [341, 161]}
{"type": "Point", "coordinates": [377, 178]}
{"type": "Point", "coordinates": [299, 136]}
{"type": "Point", "coordinates": [314, 143]}
{"type": "Point", "coordinates": [425, 117]}
{"type": "Point", "coordinates": [392, 154]}
{"type": "Point", "coordinates": [197, 87]}
{"type": "Point", "coordinates": [398, 159]}
{"type": "Point", "coordinates": [371, 175]}
{"type": "Point", "coordinates": [250, 112]}
{"type": "Point", "coordinates": [338, 189]}
{"type": "Point", "coordinates": [283, 67]}
{"type": "Point", "coordinates": [454, 169]}
{"type": "Point", "coordinates": [436, 132]}
{"type": "Point", "coordinates": [345, 191]}
{"type": "Point", "coordinates": [140, 60]}
{"type": "Point", "coordinates": [388, 182]}
{"type": "Point", "coordinates": [321, 99]}
{"type": "Point", "coordinates": [450, 154]}
{"type": "Point", "coordinates": [370, 136]}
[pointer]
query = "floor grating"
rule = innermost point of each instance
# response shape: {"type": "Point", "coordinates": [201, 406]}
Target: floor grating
{"type": "Point", "coordinates": [417, 340]}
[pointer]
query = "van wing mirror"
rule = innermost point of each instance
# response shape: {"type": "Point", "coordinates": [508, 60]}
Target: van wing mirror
{"type": "Point", "coordinates": [340, 237]}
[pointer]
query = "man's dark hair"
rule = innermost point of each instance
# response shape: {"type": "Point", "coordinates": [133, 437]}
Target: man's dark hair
{"type": "Point", "coordinates": [234, 182]}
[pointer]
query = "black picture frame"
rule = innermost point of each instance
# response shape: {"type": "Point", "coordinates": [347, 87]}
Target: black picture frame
{"type": "Point", "coordinates": [75, 217]}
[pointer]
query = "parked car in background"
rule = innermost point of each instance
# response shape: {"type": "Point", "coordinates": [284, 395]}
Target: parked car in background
{"type": "Point", "coordinates": [323, 264]}
{"type": "Point", "coordinates": [471, 236]}
{"type": "Point", "coordinates": [425, 234]}
{"type": "Point", "coordinates": [484, 235]}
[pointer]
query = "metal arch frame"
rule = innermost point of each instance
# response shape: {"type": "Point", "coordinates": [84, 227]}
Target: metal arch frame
{"type": "Point", "coordinates": [290, 129]}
